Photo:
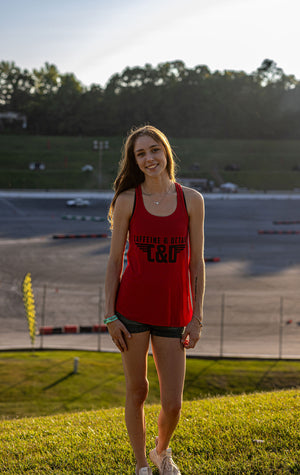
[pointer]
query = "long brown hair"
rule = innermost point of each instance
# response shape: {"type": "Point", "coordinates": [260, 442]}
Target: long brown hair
{"type": "Point", "coordinates": [130, 175]}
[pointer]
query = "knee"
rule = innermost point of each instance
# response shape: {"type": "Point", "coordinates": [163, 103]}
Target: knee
{"type": "Point", "coordinates": [172, 408]}
{"type": "Point", "coordinates": [138, 393]}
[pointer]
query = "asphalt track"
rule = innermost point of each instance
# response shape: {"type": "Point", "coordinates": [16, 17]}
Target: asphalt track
{"type": "Point", "coordinates": [252, 305]}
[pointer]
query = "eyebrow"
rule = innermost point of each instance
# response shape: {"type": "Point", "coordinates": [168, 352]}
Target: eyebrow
{"type": "Point", "coordinates": [141, 149]}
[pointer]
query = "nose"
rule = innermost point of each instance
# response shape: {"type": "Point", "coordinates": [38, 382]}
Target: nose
{"type": "Point", "coordinates": [149, 157]}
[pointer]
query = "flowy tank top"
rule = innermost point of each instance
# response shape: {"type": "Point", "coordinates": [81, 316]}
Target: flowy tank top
{"type": "Point", "coordinates": [155, 286]}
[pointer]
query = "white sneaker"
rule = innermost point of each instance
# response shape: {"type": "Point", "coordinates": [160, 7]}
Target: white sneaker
{"type": "Point", "coordinates": [144, 471]}
{"type": "Point", "coordinates": [164, 462]}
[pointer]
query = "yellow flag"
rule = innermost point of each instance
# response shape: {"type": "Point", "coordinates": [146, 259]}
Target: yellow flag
{"type": "Point", "coordinates": [28, 299]}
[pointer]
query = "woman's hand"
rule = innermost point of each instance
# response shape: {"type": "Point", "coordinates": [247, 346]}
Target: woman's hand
{"type": "Point", "coordinates": [119, 334]}
{"type": "Point", "coordinates": [192, 333]}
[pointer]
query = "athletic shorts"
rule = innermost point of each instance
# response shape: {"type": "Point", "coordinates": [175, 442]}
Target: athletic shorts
{"type": "Point", "coordinates": [136, 327]}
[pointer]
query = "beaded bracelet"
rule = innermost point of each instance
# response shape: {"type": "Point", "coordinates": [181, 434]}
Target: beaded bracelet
{"type": "Point", "coordinates": [110, 319]}
{"type": "Point", "coordinates": [199, 321]}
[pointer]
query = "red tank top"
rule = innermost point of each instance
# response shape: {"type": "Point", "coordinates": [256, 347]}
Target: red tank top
{"type": "Point", "coordinates": [155, 286]}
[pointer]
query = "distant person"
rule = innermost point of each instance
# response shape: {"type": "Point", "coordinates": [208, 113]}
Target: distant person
{"type": "Point", "coordinates": [160, 295]}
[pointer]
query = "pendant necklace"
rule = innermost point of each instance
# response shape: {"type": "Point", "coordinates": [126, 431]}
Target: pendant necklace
{"type": "Point", "coordinates": [164, 195]}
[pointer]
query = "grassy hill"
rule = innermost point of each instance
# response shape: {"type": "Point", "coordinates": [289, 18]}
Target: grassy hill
{"type": "Point", "coordinates": [253, 434]}
{"type": "Point", "coordinates": [66, 423]}
{"type": "Point", "coordinates": [262, 164]}
{"type": "Point", "coordinates": [43, 383]}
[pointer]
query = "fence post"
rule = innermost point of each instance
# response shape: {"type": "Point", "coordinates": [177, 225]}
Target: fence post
{"type": "Point", "coordinates": [43, 315]}
{"type": "Point", "coordinates": [76, 363]}
{"type": "Point", "coordinates": [222, 325]}
{"type": "Point", "coordinates": [100, 317]}
{"type": "Point", "coordinates": [280, 328]}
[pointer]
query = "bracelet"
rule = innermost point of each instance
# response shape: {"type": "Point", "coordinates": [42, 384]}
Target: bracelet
{"type": "Point", "coordinates": [110, 319]}
{"type": "Point", "coordinates": [199, 321]}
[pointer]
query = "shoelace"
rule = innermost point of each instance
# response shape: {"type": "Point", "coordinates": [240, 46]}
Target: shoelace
{"type": "Point", "coordinates": [167, 463]}
{"type": "Point", "coordinates": [146, 472]}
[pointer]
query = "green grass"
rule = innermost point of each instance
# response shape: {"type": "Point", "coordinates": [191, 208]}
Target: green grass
{"type": "Point", "coordinates": [78, 425]}
{"type": "Point", "coordinates": [264, 164]}
{"type": "Point", "coordinates": [63, 158]}
{"type": "Point", "coordinates": [253, 434]}
{"type": "Point", "coordinates": [42, 383]}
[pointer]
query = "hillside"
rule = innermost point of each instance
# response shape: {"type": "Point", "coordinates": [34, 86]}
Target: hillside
{"type": "Point", "coordinates": [261, 164]}
{"type": "Point", "coordinates": [42, 383]}
{"type": "Point", "coordinates": [258, 433]}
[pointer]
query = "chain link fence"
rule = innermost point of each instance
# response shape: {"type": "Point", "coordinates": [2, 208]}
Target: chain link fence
{"type": "Point", "coordinates": [236, 324]}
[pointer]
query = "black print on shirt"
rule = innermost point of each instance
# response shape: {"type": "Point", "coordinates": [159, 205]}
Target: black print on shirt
{"type": "Point", "coordinates": [161, 253]}
{"type": "Point", "coordinates": [142, 239]}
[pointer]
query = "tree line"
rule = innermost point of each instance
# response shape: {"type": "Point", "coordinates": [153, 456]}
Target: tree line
{"type": "Point", "coordinates": [184, 102]}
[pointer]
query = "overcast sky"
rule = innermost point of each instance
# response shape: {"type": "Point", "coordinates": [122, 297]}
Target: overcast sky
{"type": "Point", "coordinates": [96, 38]}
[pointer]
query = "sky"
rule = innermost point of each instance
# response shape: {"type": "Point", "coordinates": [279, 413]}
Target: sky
{"type": "Point", "coordinates": [95, 39]}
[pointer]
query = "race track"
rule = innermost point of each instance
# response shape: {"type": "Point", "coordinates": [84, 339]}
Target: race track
{"type": "Point", "coordinates": [252, 305]}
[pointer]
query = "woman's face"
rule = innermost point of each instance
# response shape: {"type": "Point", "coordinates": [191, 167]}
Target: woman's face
{"type": "Point", "coordinates": [150, 156]}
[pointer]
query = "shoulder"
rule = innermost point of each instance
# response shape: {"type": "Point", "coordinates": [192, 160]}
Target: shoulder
{"type": "Point", "coordinates": [126, 196]}
{"type": "Point", "coordinates": [194, 199]}
{"type": "Point", "coordinates": [125, 201]}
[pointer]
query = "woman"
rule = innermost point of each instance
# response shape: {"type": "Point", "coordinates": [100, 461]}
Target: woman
{"type": "Point", "coordinates": [160, 295]}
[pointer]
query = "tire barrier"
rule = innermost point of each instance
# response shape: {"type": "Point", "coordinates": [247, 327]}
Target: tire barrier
{"type": "Point", "coordinates": [70, 329]}
{"type": "Point", "coordinates": [83, 218]}
{"type": "Point", "coordinates": [286, 222]}
{"type": "Point", "coordinates": [212, 259]}
{"type": "Point", "coordinates": [78, 236]}
{"type": "Point", "coordinates": [278, 232]}
{"type": "Point", "coordinates": [73, 329]}
{"type": "Point", "coordinates": [98, 328]}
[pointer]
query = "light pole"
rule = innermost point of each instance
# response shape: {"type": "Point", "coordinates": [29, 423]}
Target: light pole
{"type": "Point", "coordinates": [100, 164]}
{"type": "Point", "coordinates": [100, 146]}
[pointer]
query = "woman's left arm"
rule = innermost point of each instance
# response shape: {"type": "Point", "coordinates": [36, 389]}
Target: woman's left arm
{"type": "Point", "coordinates": [195, 206]}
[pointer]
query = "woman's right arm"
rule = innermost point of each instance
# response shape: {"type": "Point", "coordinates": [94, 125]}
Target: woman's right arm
{"type": "Point", "coordinates": [122, 214]}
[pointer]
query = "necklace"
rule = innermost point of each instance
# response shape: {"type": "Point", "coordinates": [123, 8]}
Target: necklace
{"type": "Point", "coordinates": [164, 195]}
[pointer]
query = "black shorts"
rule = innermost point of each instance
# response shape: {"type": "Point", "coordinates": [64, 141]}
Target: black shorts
{"type": "Point", "coordinates": [136, 327]}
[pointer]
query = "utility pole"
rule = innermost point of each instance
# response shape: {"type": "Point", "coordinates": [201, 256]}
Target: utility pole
{"type": "Point", "coordinates": [100, 165]}
{"type": "Point", "coordinates": [100, 146]}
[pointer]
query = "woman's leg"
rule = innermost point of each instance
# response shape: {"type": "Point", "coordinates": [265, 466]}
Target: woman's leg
{"type": "Point", "coordinates": [135, 369]}
{"type": "Point", "coordinates": [169, 357]}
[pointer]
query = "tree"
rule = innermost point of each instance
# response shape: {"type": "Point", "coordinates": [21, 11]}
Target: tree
{"type": "Point", "coordinates": [47, 79]}
{"type": "Point", "coordinates": [15, 86]}
{"type": "Point", "coordinates": [184, 102]}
